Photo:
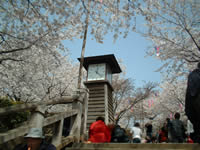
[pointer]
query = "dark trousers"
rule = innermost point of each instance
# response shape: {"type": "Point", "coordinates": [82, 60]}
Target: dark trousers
{"type": "Point", "coordinates": [136, 140]}
{"type": "Point", "coordinates": [177, 140]}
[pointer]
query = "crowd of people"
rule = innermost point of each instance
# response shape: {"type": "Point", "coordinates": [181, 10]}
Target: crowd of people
{"type": "Point", "coordinates": [172, 131]}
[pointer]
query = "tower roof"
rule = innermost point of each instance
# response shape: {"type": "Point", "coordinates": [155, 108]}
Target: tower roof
{"type": "Point", "coordinates": [109, 59]}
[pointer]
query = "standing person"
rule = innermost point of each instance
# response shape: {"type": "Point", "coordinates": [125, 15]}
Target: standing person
{"type": "Point", "coordinates": [35, 141]}
{"type": "Point", "coordinates": [192, 101]}
{"type": "Point", "coordinates": [190, 129]}
{"type": "Point", "coordinates": [177, 129]}
{"type": "Point", "coordinates": [149, 129]}
{"type": "Point", "coordinates": [137, 133]}
{"type": "Point", "coordinates": [168, 127]}
{"type": "Point", "coordinates": [190, 132]}
{"type": "Point", "coordinates": [99, 132]}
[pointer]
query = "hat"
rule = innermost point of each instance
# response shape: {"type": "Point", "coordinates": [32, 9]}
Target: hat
{"type": "Point", "coordinates": [35, 133]}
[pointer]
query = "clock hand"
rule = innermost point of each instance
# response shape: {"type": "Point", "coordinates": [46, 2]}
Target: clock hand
{"type": "Point", "coordinates": [98, 73]}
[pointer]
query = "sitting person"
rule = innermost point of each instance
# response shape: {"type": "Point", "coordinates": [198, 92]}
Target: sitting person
{"type": "Point", "coordinates": [162, 138]}
{"type": "Point", "coordinates": [99, 132]}
{"type": "Point", "coordinates": [137, 133]}
{"type": "Point", "coordinates": [177, 129]}
{"type": "Point", "coordinates": [35, 141]}
{"type": "Point", "coordinates": [119, 135]}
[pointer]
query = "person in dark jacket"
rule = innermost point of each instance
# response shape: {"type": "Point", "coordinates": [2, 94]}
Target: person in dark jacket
{"type": "Point", "coordinates": [149, 129]}
{"type": "Point", "coordinates": [192, 101]}
{"type": "Point", "coordinates": [168, 127]}
{"type": "Point", "coordinates": [177, 129]}
{"type": "Point", "coordinates": [35, 141]}
{"type": "Point", "coordinates": [119, 135]}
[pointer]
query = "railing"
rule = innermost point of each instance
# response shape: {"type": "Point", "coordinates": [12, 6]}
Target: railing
{"type": "Point", "coordinates": [78, 118]}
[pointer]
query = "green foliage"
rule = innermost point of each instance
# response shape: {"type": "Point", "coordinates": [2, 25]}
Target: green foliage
{"type": "Point", "coordinates": [12, 120]}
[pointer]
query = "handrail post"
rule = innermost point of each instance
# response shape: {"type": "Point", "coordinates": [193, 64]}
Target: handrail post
{"type": "Point", "coordinates": [37, 118]}
{"type": "Point", "coordinates": [78, 104]}
{"type": "Point", "coordinates": [75, 130]}
{"type": "Point", "coordinates": [77, 122]}
{"type": "Point", "coordinates": [57, 138]}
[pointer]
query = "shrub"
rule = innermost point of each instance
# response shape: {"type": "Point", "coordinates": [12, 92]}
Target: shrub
{"type": "Point", "coordinates": [11, 120]}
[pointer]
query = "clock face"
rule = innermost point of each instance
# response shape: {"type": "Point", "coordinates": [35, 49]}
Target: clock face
{"type": "Point", "coordinates": [96, 72]}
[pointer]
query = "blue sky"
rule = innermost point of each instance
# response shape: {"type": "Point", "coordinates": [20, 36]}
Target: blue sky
{"type": "Point", "coordinates": [131, 50]}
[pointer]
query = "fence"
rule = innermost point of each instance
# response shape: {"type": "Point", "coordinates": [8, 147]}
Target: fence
{"type": "Point", "coordinates": [78, 118]}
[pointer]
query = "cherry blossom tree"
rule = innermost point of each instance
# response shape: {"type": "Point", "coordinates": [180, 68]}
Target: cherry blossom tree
{"type": "Point", "coordinates": [31, 35]}
{"type": "Point", "coordinates": [172, 97]}
{"type": "Point", "coordinates": [44, 24]}
{"type": "Point", "coordinates": [31, 49]}
{"type": "Point", "coordinates": [38, 78]}
{"type": "Point", "coordinates": [155, 107]}
{"type": "Point", "coordinates": [164, 104]}
{"type": "Point", "coordinates": [173, 26]}
{"type": "Point", "coordinates": [126, 96]}
{"type": "Point", "coordinates": [123, 90]}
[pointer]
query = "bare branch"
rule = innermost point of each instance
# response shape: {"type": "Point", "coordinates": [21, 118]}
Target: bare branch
{"type": "Point", "coordinates": [24, 48]}
{"type": "Point", "coordinates": [12, 59]}
{"type": "Point", "coordinates": [141, 94]}
{"type": "Point", "coordinates": [188, 31]}
{"type": "Point", "coordinates": [16, 50]}
{"type": "Point", "coordinates": [4, 33]}
{"type": "Point", "coordinates": [27, 8]}
{"type": "Point", "coordinates": [2, 39]}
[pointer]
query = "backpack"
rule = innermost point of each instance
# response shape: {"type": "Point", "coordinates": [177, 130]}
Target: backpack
{"type": "Point", "coordinates": [118, 132]}
{"type": "Point", "coordinates": [119, 135]}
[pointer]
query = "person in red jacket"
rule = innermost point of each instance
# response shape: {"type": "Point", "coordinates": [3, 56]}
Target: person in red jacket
{"type": "Point", "coordinates": [162, 138]}
{"type": "Point", "coordinates": [99, 132]}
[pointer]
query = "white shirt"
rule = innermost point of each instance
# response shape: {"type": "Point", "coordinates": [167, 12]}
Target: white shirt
{"type": "Point", "coordinates": [137, 132]}
{"type": "Point", "coordinates": [189, 127]}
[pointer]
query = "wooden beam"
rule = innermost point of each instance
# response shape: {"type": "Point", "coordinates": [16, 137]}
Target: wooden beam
{"type": "Point", "coordinates": [17, 108]}
{"type": "Point", "coordinates": [58, 117]}
{"type": "Point", "coordinates": [30, 106]}
{"type": "Point", "coordinates": [65, 141]}
{"type": "Point", "coordinates": [12, 134]}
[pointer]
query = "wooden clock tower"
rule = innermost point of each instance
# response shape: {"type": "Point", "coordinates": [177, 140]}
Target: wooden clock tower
{"type": "Point", "coordinates": [99, 82]}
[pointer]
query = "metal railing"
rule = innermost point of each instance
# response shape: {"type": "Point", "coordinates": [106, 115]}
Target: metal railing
{"type": "Point", "coordinates": [78, 118]}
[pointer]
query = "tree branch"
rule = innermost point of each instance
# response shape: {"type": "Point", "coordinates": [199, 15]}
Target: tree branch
{"type": "Point", "coordinates": [12, 59]}
{"type": "Point", "coordinates": [24, 48]}
{"type": "Point", "coordinates": [15, 50]}
{"type": "Point", "coordinates": [3, 40]}
{"type": "Point", "coordinates": [187, 30]}
{"type": "Point", "coordinates": [4, 33]}
{"type": "Point", "coordinates": [28, 7]}
{"type": "Point", "coordinates": [140, 95]}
